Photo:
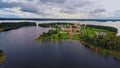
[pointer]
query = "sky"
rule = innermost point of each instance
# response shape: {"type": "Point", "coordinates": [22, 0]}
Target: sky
{"type": "Point", "coordinates": [60, 9]}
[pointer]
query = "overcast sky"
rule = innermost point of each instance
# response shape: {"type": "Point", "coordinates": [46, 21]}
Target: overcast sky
{"type": "Point", "coordinates": [60, 8]}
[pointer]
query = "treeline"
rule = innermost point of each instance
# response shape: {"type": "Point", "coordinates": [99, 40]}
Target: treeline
{"type": "Point", "coordinates": [109, 42]}
{"type": "Point", "coordinates": [53, 24]}
{"type": "Point", "coordinates": [5, 26]}
{"type": "Point", "coordinates": [16, 24]}
{"type": "Point", "coordinates": [49, 33]}
{"type": "Point", "coordinates": [46, 36]}
{"type": "Point", "coordinates": [112, 29]}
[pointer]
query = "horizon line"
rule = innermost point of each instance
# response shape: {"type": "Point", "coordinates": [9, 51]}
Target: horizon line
{"type": "Point", "coordinates": [64, 19]}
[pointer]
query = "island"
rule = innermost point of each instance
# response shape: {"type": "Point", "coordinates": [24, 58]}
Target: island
{"type": "Point", "coordinates": [101, 39]}
{"type": "Point", "coordinates": [2, 57]}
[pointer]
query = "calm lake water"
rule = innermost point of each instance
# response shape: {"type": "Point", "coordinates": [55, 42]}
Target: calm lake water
{"type": "Point", "coordinates": [23, 51]}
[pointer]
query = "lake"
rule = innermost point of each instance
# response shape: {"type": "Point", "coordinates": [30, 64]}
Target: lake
{"type": "Point", "coordinates": [23, 51]}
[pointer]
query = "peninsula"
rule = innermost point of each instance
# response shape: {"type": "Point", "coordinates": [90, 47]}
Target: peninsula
{"type": "Point", "coordinates": [101, 39]}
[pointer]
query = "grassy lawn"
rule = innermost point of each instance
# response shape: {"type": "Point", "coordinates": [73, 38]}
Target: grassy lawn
{"type": "Point", "coordinates": [91, 31]}
{"type": "Point", "coordinates": [76, 37]}
{"type": "Point", "coordinates": [65, 36]}
{"type": "Point", "coordinates": [54, 36]}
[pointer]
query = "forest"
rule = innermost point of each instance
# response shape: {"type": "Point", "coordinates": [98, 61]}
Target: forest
{"type": "Point", "coordinates": [5, 26]}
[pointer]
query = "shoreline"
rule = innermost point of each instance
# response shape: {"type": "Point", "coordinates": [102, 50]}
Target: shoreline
{"type": "Point", "coordinates": [102, 51]}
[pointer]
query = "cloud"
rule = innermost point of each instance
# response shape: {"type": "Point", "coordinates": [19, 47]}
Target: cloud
{"type": "Point", "coordinates": [57, 8]}
{"type": "Point", "coordinates": [98, 10]}
{"type": "Point", "coordinates": [8, 5]}
{"type": "Point", "coordinates": [54, 1]}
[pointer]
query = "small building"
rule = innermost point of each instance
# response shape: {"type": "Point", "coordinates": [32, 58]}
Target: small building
{"type": "Point", "coordinates": [100, 34]}
{"type": "Point", "coordinates": [71, 29]}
